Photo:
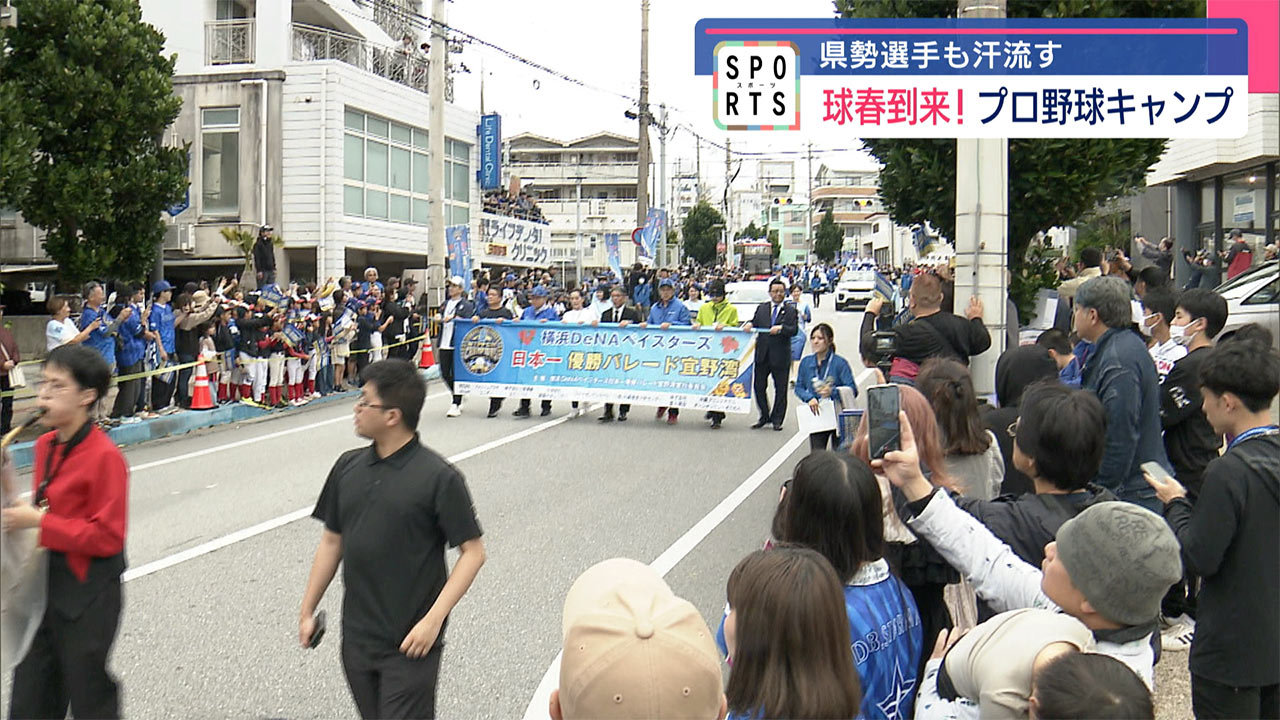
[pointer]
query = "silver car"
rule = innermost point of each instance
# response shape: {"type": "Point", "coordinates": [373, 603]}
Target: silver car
{"type": "Point", "coordinates": [1253, 297]}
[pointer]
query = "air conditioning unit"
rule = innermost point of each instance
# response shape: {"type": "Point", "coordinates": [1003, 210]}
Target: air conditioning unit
{"type": "Point", "coordinates": [181, 238]}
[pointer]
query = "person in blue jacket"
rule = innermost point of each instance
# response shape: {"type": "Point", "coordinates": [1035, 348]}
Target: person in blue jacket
{"type": "Point", "coordinates": [832, 505]}
{"type": "Point", "coordinates": [820, 377]}
{"type": "Point", "coordinates": [161, 322]}
{"type": "Point", "coordinates": [539, 310]}
{"type": "Point", "coordinates": [129, 351]}
{"type": "Point", "coordinates": [642, 294]}
{"type": "Point", "coordinates": [666, 312]}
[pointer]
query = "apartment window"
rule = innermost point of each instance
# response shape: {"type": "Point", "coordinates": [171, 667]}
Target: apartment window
{"type": "Point", "coordinates": [384, 169]}
{"type": "Point", "coordinates": [220, 161]}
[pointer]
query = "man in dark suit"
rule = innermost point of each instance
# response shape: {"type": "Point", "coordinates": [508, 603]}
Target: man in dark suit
{"type": "Point", "coordinates": [621, 314]}
{"type": "Point", "coordinates": [773, 353]}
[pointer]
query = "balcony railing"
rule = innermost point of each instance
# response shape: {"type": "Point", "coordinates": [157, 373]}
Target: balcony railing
{"type": "Point", "coordinates": [228, 42]}
{"type": "Point", "coordinates": [406, 66]}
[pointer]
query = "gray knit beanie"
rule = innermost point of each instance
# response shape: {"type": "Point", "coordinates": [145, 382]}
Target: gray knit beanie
{"type": "Point", "coordinates": [1122, 558]}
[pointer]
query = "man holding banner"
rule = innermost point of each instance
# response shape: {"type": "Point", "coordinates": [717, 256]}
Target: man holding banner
{"type": "Point", "coordinates": [773, 353]}
{"type": "Point", "coordinates": [622, 315]}
{"type": "Point", "coordinates": [666, 312]}
{"type": "Point", "coordinates": [457, 305]}
{"type": "Point", "coordinates": [538, 311]}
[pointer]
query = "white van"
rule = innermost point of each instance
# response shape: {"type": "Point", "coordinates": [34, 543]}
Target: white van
{"type": "Point", "coordinates": [855, 289]}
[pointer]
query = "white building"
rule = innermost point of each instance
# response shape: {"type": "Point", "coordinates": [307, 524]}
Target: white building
{"type": "Point", "coordinates": [853, 197]}
{"type": "Point", "coordinates": [310, 116]}
{"type": "Point", "coordinates": [585, 186]}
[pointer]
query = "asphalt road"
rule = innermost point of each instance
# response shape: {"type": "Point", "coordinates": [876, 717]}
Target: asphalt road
{"type": "Point", "coordinates": [220, 543]}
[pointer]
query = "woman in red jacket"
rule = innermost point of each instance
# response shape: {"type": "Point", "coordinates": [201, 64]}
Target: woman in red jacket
{"type": "Point", "coordinates": [80, 499]}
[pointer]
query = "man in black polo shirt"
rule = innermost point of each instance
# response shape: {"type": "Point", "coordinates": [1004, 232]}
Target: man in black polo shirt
{"type": "Point", "coordinates": [388, 511]}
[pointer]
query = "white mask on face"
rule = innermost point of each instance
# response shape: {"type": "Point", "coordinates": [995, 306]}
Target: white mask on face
{"type": "Point", "coordinates": [1144, 327]}
{"type": "Point", "coordinates": [1179, 334]}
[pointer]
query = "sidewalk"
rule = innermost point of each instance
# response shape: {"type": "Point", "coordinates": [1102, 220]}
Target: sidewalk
{"type": "Point", "coordinates": [178, 423]}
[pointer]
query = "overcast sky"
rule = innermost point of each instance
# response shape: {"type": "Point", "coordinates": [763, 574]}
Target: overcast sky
{"type": "Point", "coordinates": [598, 43]}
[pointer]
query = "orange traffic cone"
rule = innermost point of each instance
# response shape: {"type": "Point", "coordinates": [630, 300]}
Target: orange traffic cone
{"type": "Point", "coordinates": [201, 397]}
{"type": "Point", "coordinates": [427, 358]}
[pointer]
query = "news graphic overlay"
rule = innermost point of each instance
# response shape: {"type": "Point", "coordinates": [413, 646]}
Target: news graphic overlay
{"type": "Point", "coordinates": [844, 79]}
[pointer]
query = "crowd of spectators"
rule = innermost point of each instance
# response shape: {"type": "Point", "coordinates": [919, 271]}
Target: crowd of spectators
{"type": "Point", "coordinates": [521, 206]}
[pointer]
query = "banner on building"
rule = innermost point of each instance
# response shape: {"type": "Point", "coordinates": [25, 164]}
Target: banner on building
{"type": "Point", "coordinates": [458, 238]}
{"type": "Point", "coordinates": [990, 78]}
{"type": "Point", "coordinates": [613, 251]}
{"type": "Point", "coordinates": [490, 151]}
{"type": "Point", "coordinates": [514, 242]}
{"type": "Point", "coordinates": [680, 367]}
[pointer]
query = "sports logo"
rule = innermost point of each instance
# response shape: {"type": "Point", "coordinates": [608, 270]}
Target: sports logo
{"type": "Point", "coordinates": [756, 85]}
{"type": "Point", "coordinates": [481, 350]}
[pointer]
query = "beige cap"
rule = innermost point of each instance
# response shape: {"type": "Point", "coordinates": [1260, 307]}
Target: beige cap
{"type": "Point", "coordinates": [632, 649]}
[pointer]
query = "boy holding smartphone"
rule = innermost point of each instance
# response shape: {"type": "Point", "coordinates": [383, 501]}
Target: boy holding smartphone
{"type": "Point", "coordinates": [1231, 538]}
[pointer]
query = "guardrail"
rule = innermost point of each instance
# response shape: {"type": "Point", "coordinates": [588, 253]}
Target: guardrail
{"type": "Point", "coordinates": [228, 42]}
{"type": "Point", "coordinates": [405, 65]}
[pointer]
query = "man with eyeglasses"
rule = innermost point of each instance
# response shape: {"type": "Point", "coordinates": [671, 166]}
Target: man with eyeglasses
{"type": "Point", "coordinates": [392, 620]}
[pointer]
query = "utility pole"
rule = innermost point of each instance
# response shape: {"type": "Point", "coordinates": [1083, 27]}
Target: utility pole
{"type": "Point", "coordinates": [642, 182]}
{"type": "Point", "coordinates": [436, 253]}
{"type": "Point", "coordinates": [982, 224]}
{"type": "Point", "coordinates": [662, 179]}
{"type": "Point", "coordinates": [728, 223]}
{"type": "Point", "coordinates": [577, 221]}
{"type": "Point", "coordinates": [808, 230]}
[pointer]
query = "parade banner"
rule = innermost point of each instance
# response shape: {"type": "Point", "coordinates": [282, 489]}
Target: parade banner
{"type": "Point", "coordinates": [839, 79]}
{"type": "Point", "coordinates": [680, 367]}
{"type": "Point", "coordinates": [654, 231]}
{"type": "Point", "coordinates": [458, 238]}
{"type": "Point", "coordinates": [613, 251]}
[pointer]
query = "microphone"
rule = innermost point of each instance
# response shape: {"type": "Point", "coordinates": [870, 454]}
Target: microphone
{"type": "Point", "coordinates": [4, 442]}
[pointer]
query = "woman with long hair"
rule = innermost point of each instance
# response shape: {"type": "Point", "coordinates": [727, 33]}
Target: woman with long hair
{"type": "Point", "coordinates": [972, 452]}
{"type": "Point", "coordinates": [79, 503]}
{"type": "Point", "coordinates": [921, 568]}
{"type": "Point", "coordinates": [786, 636]}
{"type": "Point", "coordinates": [832, 505]}
{"type": "Point", "coordinates": [820, 378]}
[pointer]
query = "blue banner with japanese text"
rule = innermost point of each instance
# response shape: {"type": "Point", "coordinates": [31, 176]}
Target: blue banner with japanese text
{"type": "Point", "coordinates": [458, 238]}
{"type": "Point", "coordinates": [490, 151]}
{"type": "Point", "coordinates": [679, 367]}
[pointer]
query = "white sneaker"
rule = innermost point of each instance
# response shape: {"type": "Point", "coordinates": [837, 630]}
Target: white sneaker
{"type": "Point", "coordinates": [315, 395]}
{"type": "Point", "coordinates": [1177, 637]}
{"type": "Point", "coordinates": [454, 411]}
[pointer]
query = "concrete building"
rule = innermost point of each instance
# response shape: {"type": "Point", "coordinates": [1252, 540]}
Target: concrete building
{"type": "Point", "coordinates": [1200, 190]}
{"type": "Point", "coordinates": [789, 217]}
{"type": "Point", "coordinates": [853, 197]}
{"type": "Point", "coordinates": [310, 116]}
{"type": "Point", "coordinates": [586, 185]}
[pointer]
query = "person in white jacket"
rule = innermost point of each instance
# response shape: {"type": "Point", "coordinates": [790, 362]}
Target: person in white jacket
{"type": "Point", "coordinates": [1109, 568]}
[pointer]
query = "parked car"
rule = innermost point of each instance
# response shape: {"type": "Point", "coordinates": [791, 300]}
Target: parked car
{"type": "Point", "coordinates": [1253, 297]}
{"type": "Point", "coordinates": [746, 296]}
{"type": "Point", "coordinates": [855, 289]}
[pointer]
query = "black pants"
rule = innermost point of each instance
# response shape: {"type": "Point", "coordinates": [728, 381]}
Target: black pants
{"type": "Point", "coordinates": [1210, 699]}
{"type": "Point", "coordinates": [526, 403]}
{"type": "Point", "coordinates": [715, 416]}
{"type": "Point", "coordinates": [184, 380]}
{"type": "Point", "coordinates": [162, 390]}
{"type": "Point", "coordinates": [820, 440]}
{"type": "Point", "coordinates": [779, 374]}
{"type": "Point", "coordinates": [362, 361]}
{"type": "Point", "coordinates": [67, 663]}
{"type": "Point", "coordinates": [608, 409]}
{"type": "Point", "coordinates": [392, 686]}
{"type": "Point", "coordinates": [817, 298]}
{"type": "Point", "coordinates": [127, 398]}
{"type": "Point", "coordinates": [6, 404]}
{"type": "Point", "coordinates": [446, 372]}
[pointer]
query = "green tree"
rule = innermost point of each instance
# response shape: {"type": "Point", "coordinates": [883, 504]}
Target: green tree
{"type": "Point", "coordinates": [88, 77]}
{"type": "Point", "coordinates": [750, 232]}
{"type": "Point", "coordinates": [775, 244]}
{"type": "Point", "coordinates": [17, 143]}
{"type": "Point", "coordinates": [1052, 181]}
{"type": "Point", "coordinates": [829, 240]}
{"type": "Point", "coordinates": [701, 232]}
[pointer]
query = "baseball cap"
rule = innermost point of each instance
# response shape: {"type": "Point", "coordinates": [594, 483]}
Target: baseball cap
{"type": "Point", "coordinates": [539, 291]}
{"type": "Point", "coordinates": [632, 649]}
{"type": "Point", "coordinates": [666, 282]}
{"type": "Point", "coordinates": [455, 280]}
{"type": "Point", "coordinates": [160, 286]}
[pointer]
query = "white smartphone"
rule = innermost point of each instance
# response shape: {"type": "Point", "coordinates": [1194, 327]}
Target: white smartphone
{"type": "Point", "coordinates": [1157, 471]}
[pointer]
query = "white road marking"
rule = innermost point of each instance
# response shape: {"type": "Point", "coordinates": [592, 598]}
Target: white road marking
{"type": "Point", "coordinates": [250, 441]}
{"type": "Point", "coordinates": [268, 525]}
{"type": "Point", "coordinates": [538, 704]}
